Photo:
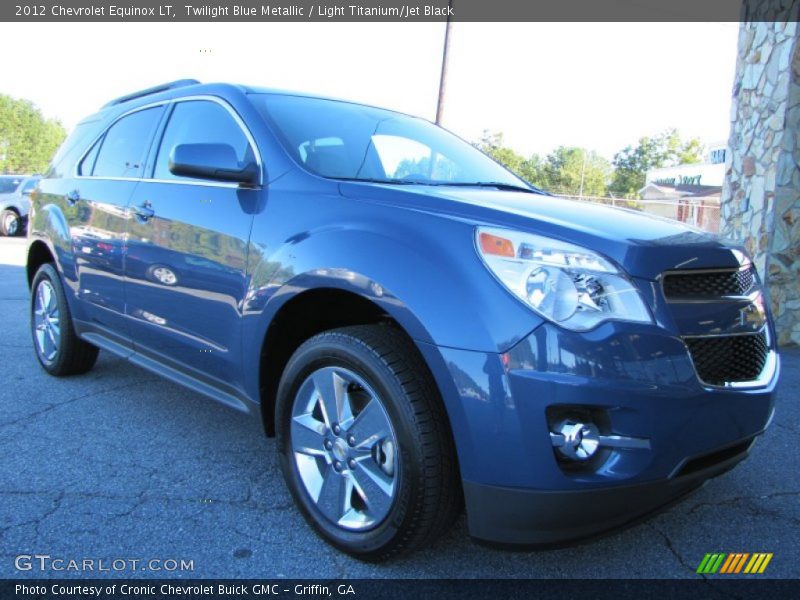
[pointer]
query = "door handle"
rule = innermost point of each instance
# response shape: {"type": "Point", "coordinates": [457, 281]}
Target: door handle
{"type": "Point", "coordinates": [73, 197]}
{"type": "Point", "coordinates": [144, 211]}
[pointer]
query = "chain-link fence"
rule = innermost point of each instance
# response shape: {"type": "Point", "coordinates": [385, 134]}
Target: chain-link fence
{"type": "Point", "coordinates": [702, 213]}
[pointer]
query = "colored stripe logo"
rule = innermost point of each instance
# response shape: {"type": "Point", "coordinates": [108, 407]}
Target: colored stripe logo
{"type": "Point", "coordinates": [737, 562]}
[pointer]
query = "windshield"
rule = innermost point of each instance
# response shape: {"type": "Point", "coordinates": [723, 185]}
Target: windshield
{"type": "Point", "coordinates": [350, 141]}
{"type": "Point", "coordinates": [9, 184]}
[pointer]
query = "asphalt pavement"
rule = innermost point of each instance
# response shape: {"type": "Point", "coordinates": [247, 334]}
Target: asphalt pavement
{"type": "Point", "coordinates": [119, 464]}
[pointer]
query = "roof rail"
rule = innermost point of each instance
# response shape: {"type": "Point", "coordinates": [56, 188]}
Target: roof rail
{"type": "Point", "coordinates": [152, 90]}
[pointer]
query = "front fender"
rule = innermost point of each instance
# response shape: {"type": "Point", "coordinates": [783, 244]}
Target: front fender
{"type": "Point", "coordinates": [13, 204]}
{"type": "Point", "coordinates": [420, 269]}
{"type": "Point", "coordinates": [427, 276]}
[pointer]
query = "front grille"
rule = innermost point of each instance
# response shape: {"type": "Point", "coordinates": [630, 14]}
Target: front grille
{"type": "Point", "coordinates": [729, 359]}
{"type": "Point", "coordinates": [708, 284]}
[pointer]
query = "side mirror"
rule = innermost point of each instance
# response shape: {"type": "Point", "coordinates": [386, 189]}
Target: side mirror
{"type": "Point", "coordinates": [211, 161]}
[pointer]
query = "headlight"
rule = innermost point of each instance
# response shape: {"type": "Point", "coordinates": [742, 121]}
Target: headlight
{"type": "Point", "coordinates": [567, 284]}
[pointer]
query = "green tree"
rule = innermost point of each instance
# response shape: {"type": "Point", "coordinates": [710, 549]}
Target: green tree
{"type": "Point", "coordinates": [691, 152]}
{"type": "Point", "coordinates": [27, 140]}
{"type": "Point", "coordinates": [493, 145]}
{"type": "Point", "coordinates": [664, 150]}
{"type": "Point", "coordinates": [530, 169]}
{"type": "Point", "coordinates": [560, 172]}
{"type": "Point", "coordinates": [575, 171]}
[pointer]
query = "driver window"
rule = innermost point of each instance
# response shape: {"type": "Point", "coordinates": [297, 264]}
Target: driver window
{"type": "Point", "coordinates": [200, 122]}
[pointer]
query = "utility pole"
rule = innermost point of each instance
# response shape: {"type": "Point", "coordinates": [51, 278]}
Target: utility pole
{"type": "Point", "coordinates": [443, 77]}
{"type": "Point", "coordinates": [583, 173]}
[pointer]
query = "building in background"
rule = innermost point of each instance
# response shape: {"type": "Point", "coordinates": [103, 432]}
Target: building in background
{"type": "Point", "coordinates": [688, 193]}
{"type": "Point", "coordinates": [709, 172]}
{"type": "Point", "coordinates": [696, 205]}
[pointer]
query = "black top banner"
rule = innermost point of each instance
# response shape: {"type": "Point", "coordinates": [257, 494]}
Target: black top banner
{"type": "Point", "coordinates": [400, 10]}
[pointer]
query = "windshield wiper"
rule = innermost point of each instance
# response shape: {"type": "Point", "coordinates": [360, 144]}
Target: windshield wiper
{"type": "Point", "coordinates": [371, 180]}
{"type": "Point", "coordinates": [510, 187]}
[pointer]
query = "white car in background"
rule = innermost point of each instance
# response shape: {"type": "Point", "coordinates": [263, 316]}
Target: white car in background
{"type": "Point", "coordinates": [15, 191]}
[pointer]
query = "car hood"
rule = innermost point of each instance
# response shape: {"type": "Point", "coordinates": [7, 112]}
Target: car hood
{"type": "Point", "coordinates": [643, 244]}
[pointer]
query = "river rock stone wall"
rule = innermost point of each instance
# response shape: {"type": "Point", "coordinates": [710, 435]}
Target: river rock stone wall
{"type": "Point", "coordinates": [761, 194]}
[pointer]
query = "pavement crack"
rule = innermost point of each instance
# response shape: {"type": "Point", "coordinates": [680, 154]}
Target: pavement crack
{"type": "Point", "coordinates": [708, 582]}
{"type": "Point", "coordinates": [143, 497]}
{"type": "Point", "coordinates": [34, 415]}
{"type": "Point", "coordinates": [746, 498]}
{"type": "Point", "coordinates": [48, 513]}
{"type": "Point", "coordinates": [672, 549]}
{"type": "Point", "coordinates": [38, 520]}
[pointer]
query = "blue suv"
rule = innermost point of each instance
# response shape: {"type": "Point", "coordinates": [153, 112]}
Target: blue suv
{"type": "Point", "coordinates": [418, 327]}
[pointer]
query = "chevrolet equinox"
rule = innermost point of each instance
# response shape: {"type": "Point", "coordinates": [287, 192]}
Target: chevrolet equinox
{"type": "Point", "coordinates": [419, 328]}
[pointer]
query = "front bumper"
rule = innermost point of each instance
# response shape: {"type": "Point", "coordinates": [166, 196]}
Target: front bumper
{"type": "Point", "coordinates": [547, 517]}
{"type": "Point", "coordinates": [641, 380]}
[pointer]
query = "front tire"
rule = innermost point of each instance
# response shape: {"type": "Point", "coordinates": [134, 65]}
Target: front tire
{"type": "Point", "coordinates": [162, 274]}
{"type": "Point", "coordinates": [58, 348]}
{"type": "Point", "coordinates": [364, 442]}
{"type": "Point", "coordinates": [10, 223]}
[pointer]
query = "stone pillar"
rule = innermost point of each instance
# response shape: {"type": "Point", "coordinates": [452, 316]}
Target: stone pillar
{"type": "Point", "coordinates": [761, 193]}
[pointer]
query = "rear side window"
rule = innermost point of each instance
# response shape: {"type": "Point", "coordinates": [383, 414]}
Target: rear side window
{"type": "Point", "coordinates": [29, 185]}
{"type": "Point", "coordinates": [73, 148]}
{"type": "Point", "coordinates": [87, 164]}
{"type": "Point", "coordinates": [218, 127]}
{"type": "Point", "coordinates": [123, 149]}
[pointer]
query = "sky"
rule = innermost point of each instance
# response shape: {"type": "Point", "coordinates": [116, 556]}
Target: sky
{"type": "Point", "coordinates": [596, 85]}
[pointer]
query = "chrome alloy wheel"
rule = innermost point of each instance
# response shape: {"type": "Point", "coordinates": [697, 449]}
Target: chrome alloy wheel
{"type": "Point", "coordinates": [10, 223]}
{"type": "Point", "coordinates": [165, 275]}
{"type": "Point", "coordinates": [344, 448]}
{"type": "Point", "coordinates": [47, 321]}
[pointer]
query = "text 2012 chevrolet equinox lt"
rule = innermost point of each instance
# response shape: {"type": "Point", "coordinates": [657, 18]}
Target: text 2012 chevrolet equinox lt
{"type": "Point", "coordinates": [421, 329]}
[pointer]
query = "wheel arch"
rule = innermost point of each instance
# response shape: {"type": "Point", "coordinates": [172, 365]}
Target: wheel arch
{"type": "Point", "coordinates": [299, 318]}
{"type": "Point", "coordinates": [39, 253]}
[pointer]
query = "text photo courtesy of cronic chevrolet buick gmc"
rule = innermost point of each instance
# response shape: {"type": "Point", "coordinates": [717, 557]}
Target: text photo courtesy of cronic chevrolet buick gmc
{"type": "Point", "coordinates": [423, 331]}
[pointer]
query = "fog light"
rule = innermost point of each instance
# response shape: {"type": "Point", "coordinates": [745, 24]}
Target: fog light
{"type": "Point", "coordinates": [578, 437]}
{"type": "Point", "coordinates": [576, 440]}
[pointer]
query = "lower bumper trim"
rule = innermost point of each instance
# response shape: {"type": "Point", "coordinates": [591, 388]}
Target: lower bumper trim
{"type": "Point", "coordinates": [531, 518]}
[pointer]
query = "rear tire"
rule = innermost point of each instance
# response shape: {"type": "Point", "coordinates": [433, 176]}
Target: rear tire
{"type": "Point", "coordinates": [388, 451]}
{"type": "Point", "coordinates": [58, 348]}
